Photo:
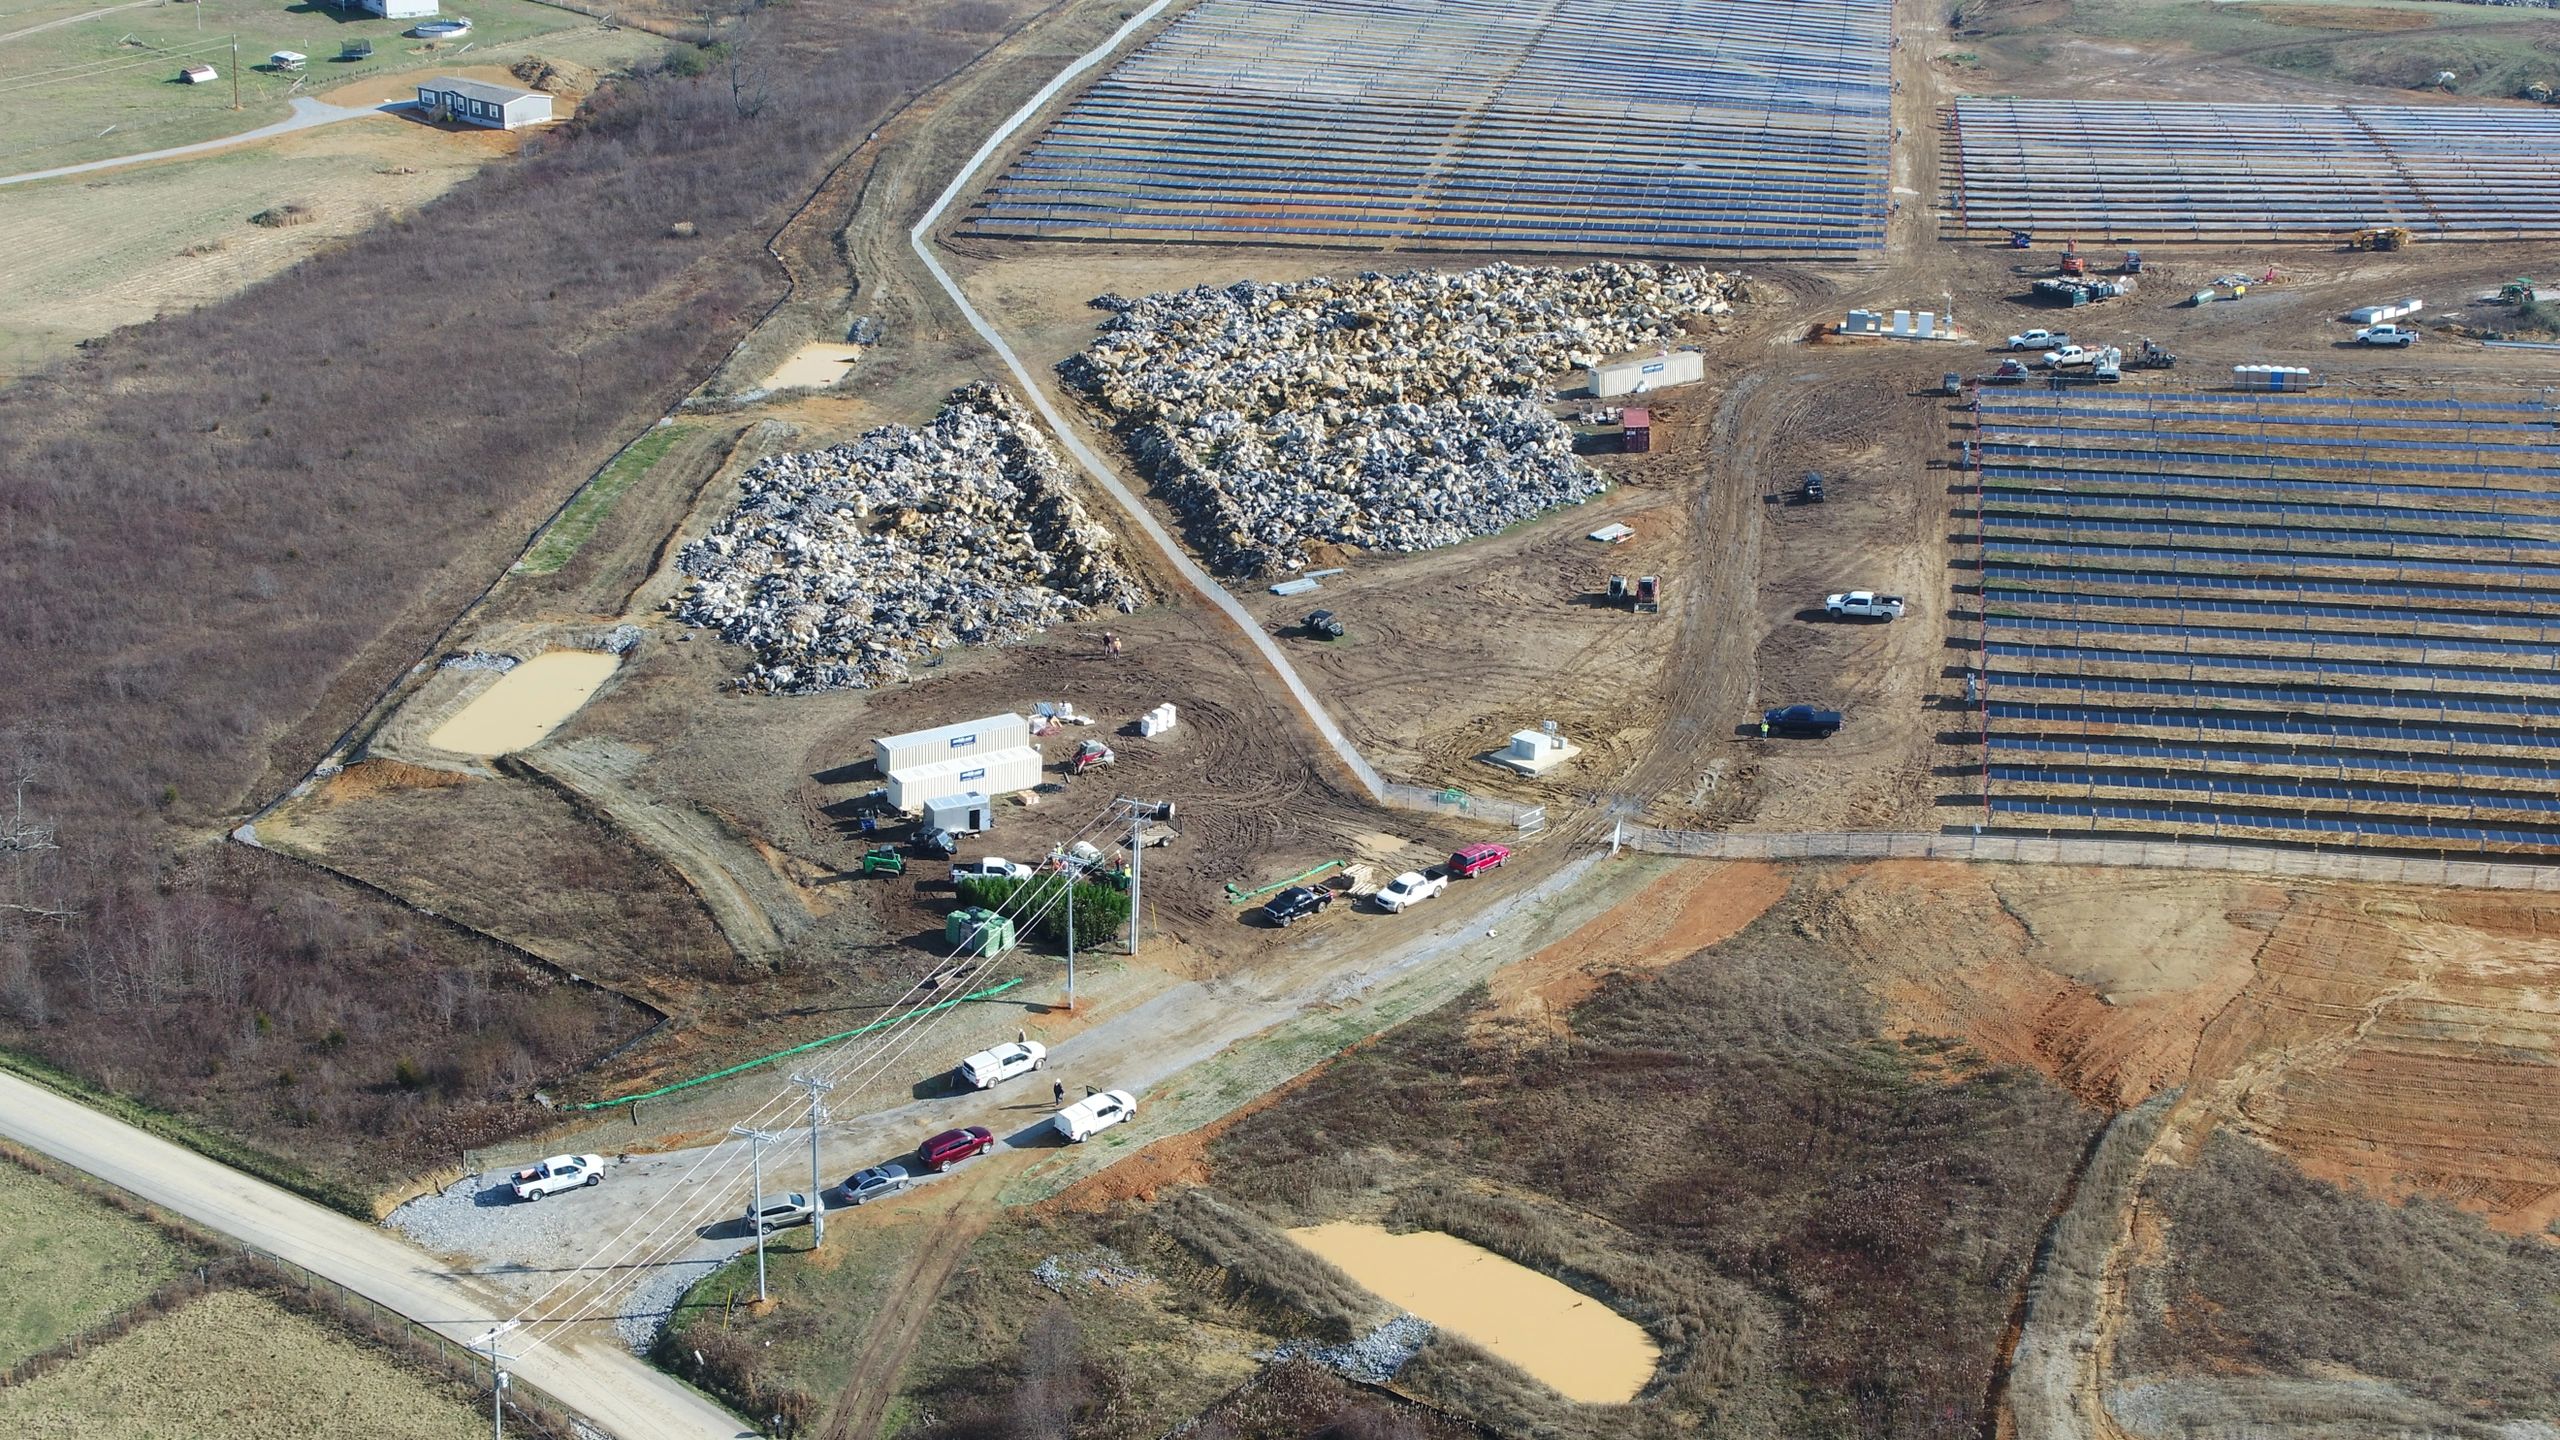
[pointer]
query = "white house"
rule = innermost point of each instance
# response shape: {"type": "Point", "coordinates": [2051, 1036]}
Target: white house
{"type": "Point", "coordinates": [477, 102]}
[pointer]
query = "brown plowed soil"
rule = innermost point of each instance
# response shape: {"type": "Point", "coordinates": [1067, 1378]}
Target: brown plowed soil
{"type": "Point", "coordinates": [2403, 1041]}
{"type": "Point", "coordinates": [1678, 915]}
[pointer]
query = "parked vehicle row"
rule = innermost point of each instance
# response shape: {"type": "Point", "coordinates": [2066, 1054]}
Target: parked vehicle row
{"type": "Point", "coordinates": [1407, 890]}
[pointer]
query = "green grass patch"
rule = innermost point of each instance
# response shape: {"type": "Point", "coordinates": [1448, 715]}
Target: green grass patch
{"type": "Point", "coordinates": [70, 1265]}
{"type": "Point", "coordinates": [587, 510]}
{"type": "Point", "coordinates": [105, 84]}
{"type": "Point", "coordinates": [792, 1359]}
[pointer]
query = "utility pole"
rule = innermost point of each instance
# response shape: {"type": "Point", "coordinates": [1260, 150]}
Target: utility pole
{"type": "Point", "coordinates": [235, 67]}
{"type": "Point", "coordinates": [817, 1189]}
{"type": "Point", "coordinates": [756, 1140]}
{"type": "Point", "coordinates": [1140, 812]}
{"type": "Point", "coordinates": [497, 1378]}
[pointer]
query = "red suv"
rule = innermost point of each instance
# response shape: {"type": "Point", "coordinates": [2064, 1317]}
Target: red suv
{"type": "Point", "coordinates": [953, 1146]}
{"type": "Point", "coordinates": [1477, 859]}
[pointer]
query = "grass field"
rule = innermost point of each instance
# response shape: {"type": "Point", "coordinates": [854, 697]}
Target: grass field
{"type": "Point", "coordinates": [69, 1264]}
{"type": "Point", "coordinates": [81, 80]}
{"type": "Point", "coordinates": [2494, 51]}
{"type": "Point", "coordinates": [586, 512]}
{"type": "Point", "coordinates": [232, 1366]}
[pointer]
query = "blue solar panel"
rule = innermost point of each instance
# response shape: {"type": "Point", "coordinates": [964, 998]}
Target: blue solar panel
{"type": "Point", "coordinates": [2361, 827]}
{"type": "Point", "coordinates": [2471, 766]}
{"type": "Point", "coordinates": [2285, 640]}
{"type": "Point", "coordinates": [2085, 655]}
{"type": "Point", "coordinates": [2292, 726]}
{"type": "Point", "coordinates": [2247, 787]}
{"type": "Point", "coordinates": [2296, 695]}
{"type": "Point", "coordinates": [2266, 584]}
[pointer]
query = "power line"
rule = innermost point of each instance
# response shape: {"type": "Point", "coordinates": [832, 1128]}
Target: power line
{"type": "Point", "coordinates": [583, 1282]}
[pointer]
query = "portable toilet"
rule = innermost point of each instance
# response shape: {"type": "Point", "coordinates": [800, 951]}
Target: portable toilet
{"type": "Point", "coordinates": [971, 930]}
{"type": "Point", "coordinates": [966, 813]}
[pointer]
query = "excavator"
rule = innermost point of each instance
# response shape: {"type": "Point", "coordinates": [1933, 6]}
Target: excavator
{"type": "Point", "coordinates": [2380, 237]}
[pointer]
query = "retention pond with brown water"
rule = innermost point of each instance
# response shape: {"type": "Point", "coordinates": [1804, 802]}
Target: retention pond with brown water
{"type": "Point", "coordinates": [526, 705]}
{"type": "Point", "coordinates": [1575, 1344]}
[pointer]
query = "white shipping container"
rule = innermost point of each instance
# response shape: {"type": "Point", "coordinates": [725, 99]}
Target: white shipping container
{"type": "Point", "coordinates": [994, 772]}
{"type": "Point", "coordinates": [2376, 314]}
{"type": "Point", "coordinates": [949, 742]}
{"type": "Point", "coordinates": [1646, 373]}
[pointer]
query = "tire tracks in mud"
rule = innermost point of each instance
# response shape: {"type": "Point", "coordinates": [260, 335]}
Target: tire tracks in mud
{"type": "Point", "coordinates": [897, 1325]}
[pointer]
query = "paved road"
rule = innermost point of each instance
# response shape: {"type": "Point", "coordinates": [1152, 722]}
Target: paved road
{"type": "Point", "coordinates": [606, 1384]}
{"type": "Point", "coordinates": [307, 114]}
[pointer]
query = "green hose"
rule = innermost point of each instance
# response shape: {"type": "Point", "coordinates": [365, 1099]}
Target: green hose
{"type": "Point", "coordinates": [796, 1049]}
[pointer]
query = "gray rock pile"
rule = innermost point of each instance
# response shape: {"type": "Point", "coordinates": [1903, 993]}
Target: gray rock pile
{"type": "Point", "coordinates": [1374, 1357]}
{"type": "Point", "coordinates": [841, 566]}
{"type": "Point", "coordinates": [1393, 412]}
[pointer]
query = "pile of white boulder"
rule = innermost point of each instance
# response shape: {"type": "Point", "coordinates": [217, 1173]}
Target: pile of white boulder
{"type": "Point", "coordinates": [841, 567]}
{"type": "Point", "coordinates": [1392, 412]}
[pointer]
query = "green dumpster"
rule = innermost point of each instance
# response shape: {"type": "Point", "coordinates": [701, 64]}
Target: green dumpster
{"type": "Point", "coordinates": [971, 930]}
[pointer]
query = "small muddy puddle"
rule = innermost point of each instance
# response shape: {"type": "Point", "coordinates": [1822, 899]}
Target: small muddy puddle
{"type": "Point", "coordinates": [526, 704]}
{"type": "Point", "coordinates": [815, 365]}
{"type": "Point", "coordinates": [1585, 1350]}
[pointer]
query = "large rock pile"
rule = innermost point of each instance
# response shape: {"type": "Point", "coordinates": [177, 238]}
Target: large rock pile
{"type": "Point", "coordinates": [1393, 412]}
{"type": "Point", "coordinates": [841, 566]}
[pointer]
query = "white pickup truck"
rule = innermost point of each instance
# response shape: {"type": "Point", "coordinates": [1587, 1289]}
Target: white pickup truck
{"type": "Point", "coordinates": [991, 867]}
{"type": "Point", "coordinates": [1864, 605]}
{"type": "Point", "coordinates": [1094, 1114]}
{"type": "Point", "coordinates": [2038, 340]}
{"type": "Point", "coordinates": [2069, 357]}
{"type": "Point", "coordinates": [987, 1067]}
{"type": "Point", "coordinates": [560, 1172]}
{"type": "Point", "coordinates": [2386, 335]}
{"type": "Point", "coordinates": [1411, 888]}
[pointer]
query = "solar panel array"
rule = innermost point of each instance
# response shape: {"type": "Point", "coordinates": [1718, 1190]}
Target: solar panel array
{"type": "Point", "coordinates": [2141, 170]}
{"type": "Point", "coordinates": [1760, 126]}
{"type": "Point", "coordinates": [2272, 617]}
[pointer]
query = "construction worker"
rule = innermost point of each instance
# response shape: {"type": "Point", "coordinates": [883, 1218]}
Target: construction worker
{"type": "Point", "coordinates": [1764, 729]}
{"type": "Point", "coordinates": [1110, 643]}
{"type": "Point", "coordinates": [1058, 1092]}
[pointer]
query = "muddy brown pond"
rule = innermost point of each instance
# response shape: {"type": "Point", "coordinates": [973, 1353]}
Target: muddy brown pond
{"type": "Point", "coordinates": [527, 703]}
{"type": "Point", "coordinates": [1579, 1346]}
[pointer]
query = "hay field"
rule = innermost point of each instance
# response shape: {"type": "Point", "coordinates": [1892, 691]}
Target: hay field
{"type": "Point", "coordinates": [232, 1366]}
{"type": "Point", "coordinates": [70, 1264]}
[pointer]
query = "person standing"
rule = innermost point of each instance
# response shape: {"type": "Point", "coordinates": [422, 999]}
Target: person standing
{"type": "Point", "coordinates": [1058, 1092]}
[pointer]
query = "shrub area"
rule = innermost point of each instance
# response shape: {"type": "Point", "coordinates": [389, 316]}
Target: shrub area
{"type": "Point", "coordinates": [2274, 1272]}
{"type": "Point", "coordinates": [231, 528]}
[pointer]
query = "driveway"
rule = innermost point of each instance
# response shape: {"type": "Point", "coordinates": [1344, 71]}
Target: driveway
{"type": "Point", "coordinates": [308, 114]}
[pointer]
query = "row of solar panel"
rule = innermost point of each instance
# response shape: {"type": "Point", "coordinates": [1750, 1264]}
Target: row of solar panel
{"type": "Point", "coordinates": [2191, 819]}
{"type": "Point", "coordinates": [2541, 447]}
{"type": "Point", "coordinates": [2286, 664]}
{"type": "Point", "coordinates": [2295, 727]}
{"type": "Point", "coordinates": [2046, 498]}
{"type": "Point", "coordinates": [2206, 555]}
{"type": "Point", "coordinates": [1698, 237]}
{"type": "Point", "coordinates": [2243, 786]}
{"type": "Point", "coordinates": [2168, 479]}
{"type": "Point", "coordinates": [2369, 615]}
{"type": "Point", "coordinates": [2326, 758]}
{"type": "Point", "coordinates": [2258, 462]}
{"type": "Point", "coordinates": [2011, 519]}
{"type": "Point", "coordinates": [2267, 584]}
{"type": "Point", "coordinates": [2293, 696]}
{"type": "Point", "coordinates": [2291, 639]}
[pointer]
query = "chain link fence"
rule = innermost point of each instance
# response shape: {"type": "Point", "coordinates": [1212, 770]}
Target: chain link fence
{"type": "Point", "coordinates": [2074, 850]}
{"type": "Point", "coordinates": [1527, 820]}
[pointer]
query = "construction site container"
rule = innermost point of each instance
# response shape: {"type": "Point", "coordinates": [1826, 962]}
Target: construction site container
{"type": "Point", "coordinates": [2376, 314]}
{"type": "Point", "coordinates": [994, 772]}
{"type": "Point", "coordinates": [949, 742]}
{"type": "Point", "coordinates": [1640, 374]}
{"type": "Point", "coordinates": [966, 812]}
{"type": "Point", "coordinates": [1637, 435]}
{"type": "Point", "coordinates": [973, 931]}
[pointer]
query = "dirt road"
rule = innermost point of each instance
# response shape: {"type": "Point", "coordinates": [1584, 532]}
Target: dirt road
{"type": "Point", "coordinates": [605, 1384]}
{"type": "Point", "coordinates": [307, 113]}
